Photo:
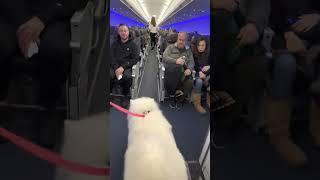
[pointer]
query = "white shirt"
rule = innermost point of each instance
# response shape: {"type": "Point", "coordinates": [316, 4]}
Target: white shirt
{"type": "Point", "coordinates": [153, 29]}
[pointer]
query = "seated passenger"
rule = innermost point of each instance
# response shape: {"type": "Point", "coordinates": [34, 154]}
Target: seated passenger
{"type": "Point", "coordinates": [46, 25]}
{"type": "Point", "coordinates": [240, 65]}
{"type": "Point", "coordinates": [179, 64]}
{"type": "Point", "coordinates": [202, 68]}
{"type": "Point", "coordinates": [124, 54]}
{"type": "Point", "coordinates": [297, 28]}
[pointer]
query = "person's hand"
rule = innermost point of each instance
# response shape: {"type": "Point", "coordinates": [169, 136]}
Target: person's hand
{"type": "Point", "coordinates": [294, 44]}
{"type": "Point", "coordinates": [202, 75]}
{"type": "Point", "coordinates": [229, 5]}
{"type": "Point", "coordinates": [187, 72]}
{"type": "Point", "coordinates": [119, 71]}
{"type": "Point", "coordinates": [205, 69]}
{"type": "Point", "coordinates": [248, 35]}
{"type": "Point", "coordinates": [306, 22]}
{"type": "Point", "coordinates": [28, 32]}
{"type": "Point", "coordinates": [180, 61]}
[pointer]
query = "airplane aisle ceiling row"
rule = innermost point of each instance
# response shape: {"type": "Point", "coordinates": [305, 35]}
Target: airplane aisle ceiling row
{"type": "Point", "coordinates": [198, 8]}
{"type": "Point", "coordinates": [160, 9]}
{"type": "Point", "coordinates": [166, 11]}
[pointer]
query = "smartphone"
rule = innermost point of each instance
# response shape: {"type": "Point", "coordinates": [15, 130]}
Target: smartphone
{"type": "Point", "coordinates": [291, 20]}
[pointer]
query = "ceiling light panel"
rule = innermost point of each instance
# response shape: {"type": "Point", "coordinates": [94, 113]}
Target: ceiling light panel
{"type": "Point", "coordinates": [162, 9]}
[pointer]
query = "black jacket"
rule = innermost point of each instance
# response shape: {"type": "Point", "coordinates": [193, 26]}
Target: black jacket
{"type": "Point", "coordinates": [19, 11]}
{"type": "Point", "coordinates": [124, 54]}
{"type": "Point", "coordinates": [201, 60]}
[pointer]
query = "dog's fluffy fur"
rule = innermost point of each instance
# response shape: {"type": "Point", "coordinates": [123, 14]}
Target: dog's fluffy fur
{"type": "Point", "coordinates": [152, 153]}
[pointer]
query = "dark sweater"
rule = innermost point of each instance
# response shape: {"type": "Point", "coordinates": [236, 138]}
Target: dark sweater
{"type": "Point", "coordinates": [201, 60]}
{"type": "Point", "coordinates": [124, 54]}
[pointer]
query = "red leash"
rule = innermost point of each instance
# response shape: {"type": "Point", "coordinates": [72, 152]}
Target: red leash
{"type": "Point", "coordinates": [55, 158]}
{"type": "Point", "coordinates": [52, 157]}
{"type": "Point", "coordinates": [125, 111]}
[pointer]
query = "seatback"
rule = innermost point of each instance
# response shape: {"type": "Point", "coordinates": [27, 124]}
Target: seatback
{"type": "Point", "coordinates": [87, 82]}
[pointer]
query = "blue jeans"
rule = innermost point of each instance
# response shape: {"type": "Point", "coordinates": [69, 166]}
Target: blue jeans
{"type": "Point", "coordinates": [199, 83]}
{"type": "Point", "coordinates": [283, 76]}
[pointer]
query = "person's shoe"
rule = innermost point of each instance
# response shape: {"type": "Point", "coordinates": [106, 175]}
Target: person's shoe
{"type": "Point", "coordinates": [172, 102]}
{"type": "Point", "coordinates": [179, 96]}
{"type": "Point", "coordinates": [197, 103]}
{"type": "Point", "coordinates": [278, 128]}
{"type": "Point", "coordinates": [221, 100]}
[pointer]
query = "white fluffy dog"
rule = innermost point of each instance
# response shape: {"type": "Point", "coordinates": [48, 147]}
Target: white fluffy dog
{"type": "Point", "coordinates": [152, 153]}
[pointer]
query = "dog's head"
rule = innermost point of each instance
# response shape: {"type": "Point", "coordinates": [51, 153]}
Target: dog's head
{"type": "Point", "coordinates": [143, 105]}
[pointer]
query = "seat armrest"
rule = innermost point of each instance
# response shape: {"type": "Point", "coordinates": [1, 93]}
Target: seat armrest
{"type": "Point", "coordinates": [268, 34]}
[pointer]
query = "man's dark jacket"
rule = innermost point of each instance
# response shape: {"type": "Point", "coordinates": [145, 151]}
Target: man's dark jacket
{"type": "Point", "coordinates": [124, 54]}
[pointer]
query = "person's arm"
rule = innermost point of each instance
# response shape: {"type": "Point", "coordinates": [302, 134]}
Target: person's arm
{"type": "Point", "coordinates": [196, 64]}
{"type": "Point", "coordinates": [60, 9]}
{"type": "Point", "coordinates": [258, 13]}
{"type": "Point", "coordinates": [166, 56]}
{"type": "Point", "coordinates": [149, 27]}
{"type": "Point", "coordinates": [190, 62]}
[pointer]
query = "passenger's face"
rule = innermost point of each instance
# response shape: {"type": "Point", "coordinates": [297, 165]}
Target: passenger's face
{"type": "Point", "coordinates": [182, 38]}
{"type": "Point", "coordinates": [123, 32]}
{"type": "Point", "coordinates": [202, 46]}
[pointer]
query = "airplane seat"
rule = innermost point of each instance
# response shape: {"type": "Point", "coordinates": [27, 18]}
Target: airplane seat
{"type": "Point", "coordinates": [135, 37]}
{"type": "Point", "coordinates": [139, 39]}
{"type": "Point", "coordinates": [138, 34]}
{"type": "Point", "coordinates": [208, 42]}
{"type": "Point", "coordinates": [163, 43]}
{"type": "Point", "coordinates": [256, 107]}
{"type": "Point", "coordinates": [132, 33]}
{"type": "Point", "coordinates": [87, 79]}
{"type": "Point", "coordinates": [170, 38]}
{"type": "Point", "coordinates": [190, 35]}
{"type": "Point", "coordinates": [143, 39]}
{"type": "Point", "coordinates": [117, 91]}
{"type": "Point", "coordinates": [193, 41]}
{"type": "Point", "coordinates": [113, 34]}
{"type": "Point", "coordinates": [75, 102]}
{"type": "Point", "coordinates": [136, 78]}
{"type": "Point", "coordinates": [135, 72]}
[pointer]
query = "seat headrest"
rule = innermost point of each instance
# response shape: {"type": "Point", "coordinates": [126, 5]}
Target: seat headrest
{"type": "Point", "coordinates": [172, 37]}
